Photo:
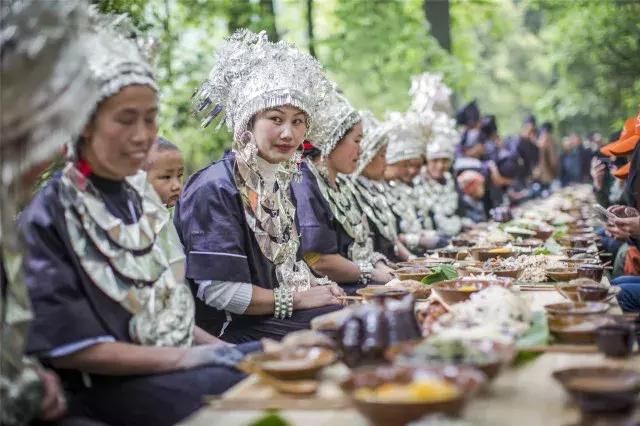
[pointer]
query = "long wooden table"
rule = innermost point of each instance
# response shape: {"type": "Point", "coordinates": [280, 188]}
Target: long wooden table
{"type": "Point", "coordinates": [524, 395]}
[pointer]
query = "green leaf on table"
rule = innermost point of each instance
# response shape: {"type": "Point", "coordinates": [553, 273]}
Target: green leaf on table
{"type": "Point", "coordinates": [536, 335]}
{"type": "Point", "coordinates": [440, 273]}
{"type": "Point", "coordinates": [271, 418]}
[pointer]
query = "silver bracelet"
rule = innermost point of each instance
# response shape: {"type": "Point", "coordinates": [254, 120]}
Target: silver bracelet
{"type": "Point", "coordinates": [283, 302]}
{"type": "Point", "coordinates": [366, 271]}
{"type": "Point", "coordinates": [377, 257]}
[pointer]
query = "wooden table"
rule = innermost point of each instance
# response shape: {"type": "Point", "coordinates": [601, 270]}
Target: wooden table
{"type": "Point", "coordinates": [525, 395]}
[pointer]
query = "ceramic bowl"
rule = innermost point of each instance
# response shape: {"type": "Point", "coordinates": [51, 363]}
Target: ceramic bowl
{"type": "Point", "coordinates": [466, 380]}
{"type": "Point", "coordinates": [298, 364]}
{"type": "Point", "coordinates": [562, 274]}
{"type": "Point", "coordinates": [601, 389]}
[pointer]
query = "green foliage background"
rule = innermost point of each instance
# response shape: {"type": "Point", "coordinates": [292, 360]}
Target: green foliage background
{"type": "Point", "coordinates": [573, 62]}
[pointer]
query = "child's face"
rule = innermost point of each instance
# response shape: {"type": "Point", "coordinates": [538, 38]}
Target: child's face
{"type": "Point", "coordinates": [165, 172]}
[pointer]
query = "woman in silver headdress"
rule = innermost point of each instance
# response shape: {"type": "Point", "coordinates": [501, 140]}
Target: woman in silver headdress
{"type": "Point", "coordinates": [44, 77]}
{"type": "Point", "coordinates": [105, 269]}
{"type": "Point", "coordinates": [369, 189]}
{"type": "Point", "coordinates": [405, 157]}
{"type": "Point", "coordinates": [335, 231]}
{"type": "Point", "coordinates": [235, 217]}
{"type": "Point", "coordinates": [435, 186]}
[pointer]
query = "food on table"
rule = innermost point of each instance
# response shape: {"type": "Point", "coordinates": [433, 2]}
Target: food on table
{"type": "Point", "coordinates": [533, 266]}
{"type": "Point", "coordinates": [493, 313]}
{"type": "Point", "coordinates": [422, 390]}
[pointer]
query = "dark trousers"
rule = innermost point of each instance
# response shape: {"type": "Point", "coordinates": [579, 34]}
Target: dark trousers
{"type": "Point", "coordinates": [629, 296]}
{"type": "Point", "coordinates": [160, 399]}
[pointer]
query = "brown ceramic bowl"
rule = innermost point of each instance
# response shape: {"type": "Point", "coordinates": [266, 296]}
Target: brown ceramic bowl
{"type": "Point", "coordinates": [601, 389]}
{"type": "Point", "coordinates": [576, 309]}
{"type": "Point", "coordinates": [377, 291]}
{"type": "Point", "coordinates": [498, 252]}
{"type": "Point", "coordinates": [591, 271]}
{"type": "Point", "coordinates": [299, 364]}
{"type": "Point", "coordinates": [576, 323]}
{"type": "Point", "coordinates": [576, 330]}
{"type": "Point", "coordinates": [459, 290]}
{"type": "Point", "coordinates": [397, 413]}
{"type": "Point", "coordinates": [507, 273]}
{"type": "Point", "coordinates": [568, 290]}
{"type": "Point", "coordinates": [544, 233]}
{"type": "Point", "coordinates": [592, 293]}
{"type": "Point", "coordinates": [416, 273]}
{"type": "Point", "coordinates": [616, 340]}
{"type": "Point", "coordinates": [562, 274]}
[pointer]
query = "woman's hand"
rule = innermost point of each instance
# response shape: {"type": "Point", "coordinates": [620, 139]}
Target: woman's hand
{"type": "Point", "coordinates": [381, 273]}
{"type": "Point", "coordinates": [318, 296]}
{"type": "Point", "coordinates": [54, 403]}
{"type": "Point", "coordinates": [203, 355]}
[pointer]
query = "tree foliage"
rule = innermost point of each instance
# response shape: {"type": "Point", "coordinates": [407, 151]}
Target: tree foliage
{"type": "Point", "coordinates": [574, 62]}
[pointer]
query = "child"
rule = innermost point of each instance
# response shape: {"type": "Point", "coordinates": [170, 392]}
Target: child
{"type": "Point", "coordinates": [471, 184]}
{"type": "Point", "coordinates": [165, 168]}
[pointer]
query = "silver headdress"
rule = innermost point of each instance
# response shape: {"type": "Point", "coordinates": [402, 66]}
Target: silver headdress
{"type": "Point", "coordinates": [119, 57]}
{"type": "Point", "coordinates": [406, 137]}
{"type": "Point", "coordinates": [431, 101]}
{"type": "Point", "coordinates": [335, 118]}
{"type": "Point", "coordinates": [444, 137]}
{"type": "Point", "coordinates": [47, 90]}
{"type": "Point", "coordinates": [429, 93]}
{"type": "Point", "coordinates": [375, 137]}
{"type": "Point", "coordinates": [252, 74]}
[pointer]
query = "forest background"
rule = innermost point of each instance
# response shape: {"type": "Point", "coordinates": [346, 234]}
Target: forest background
{"type": "Point", "coordinates": [575, 63]}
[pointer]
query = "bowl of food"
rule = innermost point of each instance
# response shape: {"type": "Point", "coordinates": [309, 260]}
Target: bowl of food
{"type": "Point", "coordinates": [576, 308]}
{"type": "Point", "coordinates": [416, 288]}
{"type": "Point", "coordinates": [295, 364]}
{"type": "Point", "coordinates": [590, 270]}
{"type": "Point", "coordinates": [544, 232]}
{"type": "Point", "coordinates": [568, 290]}
{"type": "Point", "coordinates": [498, 252]}
{"type": "Point", "coordinates": [381, 291]}
{"type": "Point", "coordinates": [487, 355]}
{"type": "Point", "coordinates": [601, 389]}
{"type": "Point", "coordinates": [397, 395]}
{"type": "Point", "coordinates": [415, 273]}
{"type": "Point", "coordinates": [576, 322]}
{"type": "Point", "coordinates": [562, 274]}
{"type": "Point", "coordinates": [459, 290]}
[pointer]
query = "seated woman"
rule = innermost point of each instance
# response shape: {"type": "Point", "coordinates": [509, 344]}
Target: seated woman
{"type": "Point", "coordinates": [235, 217]}
{"type": "Point", "coordinates": [335, 232]}
{"type": "Point", "coordinates": [367, 185]}
{"type": "Point", "coordinates": [436, 188]}
{"type": "Point", "coordinates": [105, 270]}
{"type": "Point", "coordinates": [405, 156]}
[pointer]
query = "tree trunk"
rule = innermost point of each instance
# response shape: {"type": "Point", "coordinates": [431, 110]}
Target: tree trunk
{"type": "Point", "coordinates": [268, 15]}
{"type": "Point", "coordinates": [438, 16]}
{"type": "Point", "coordinates": [310, 37]}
